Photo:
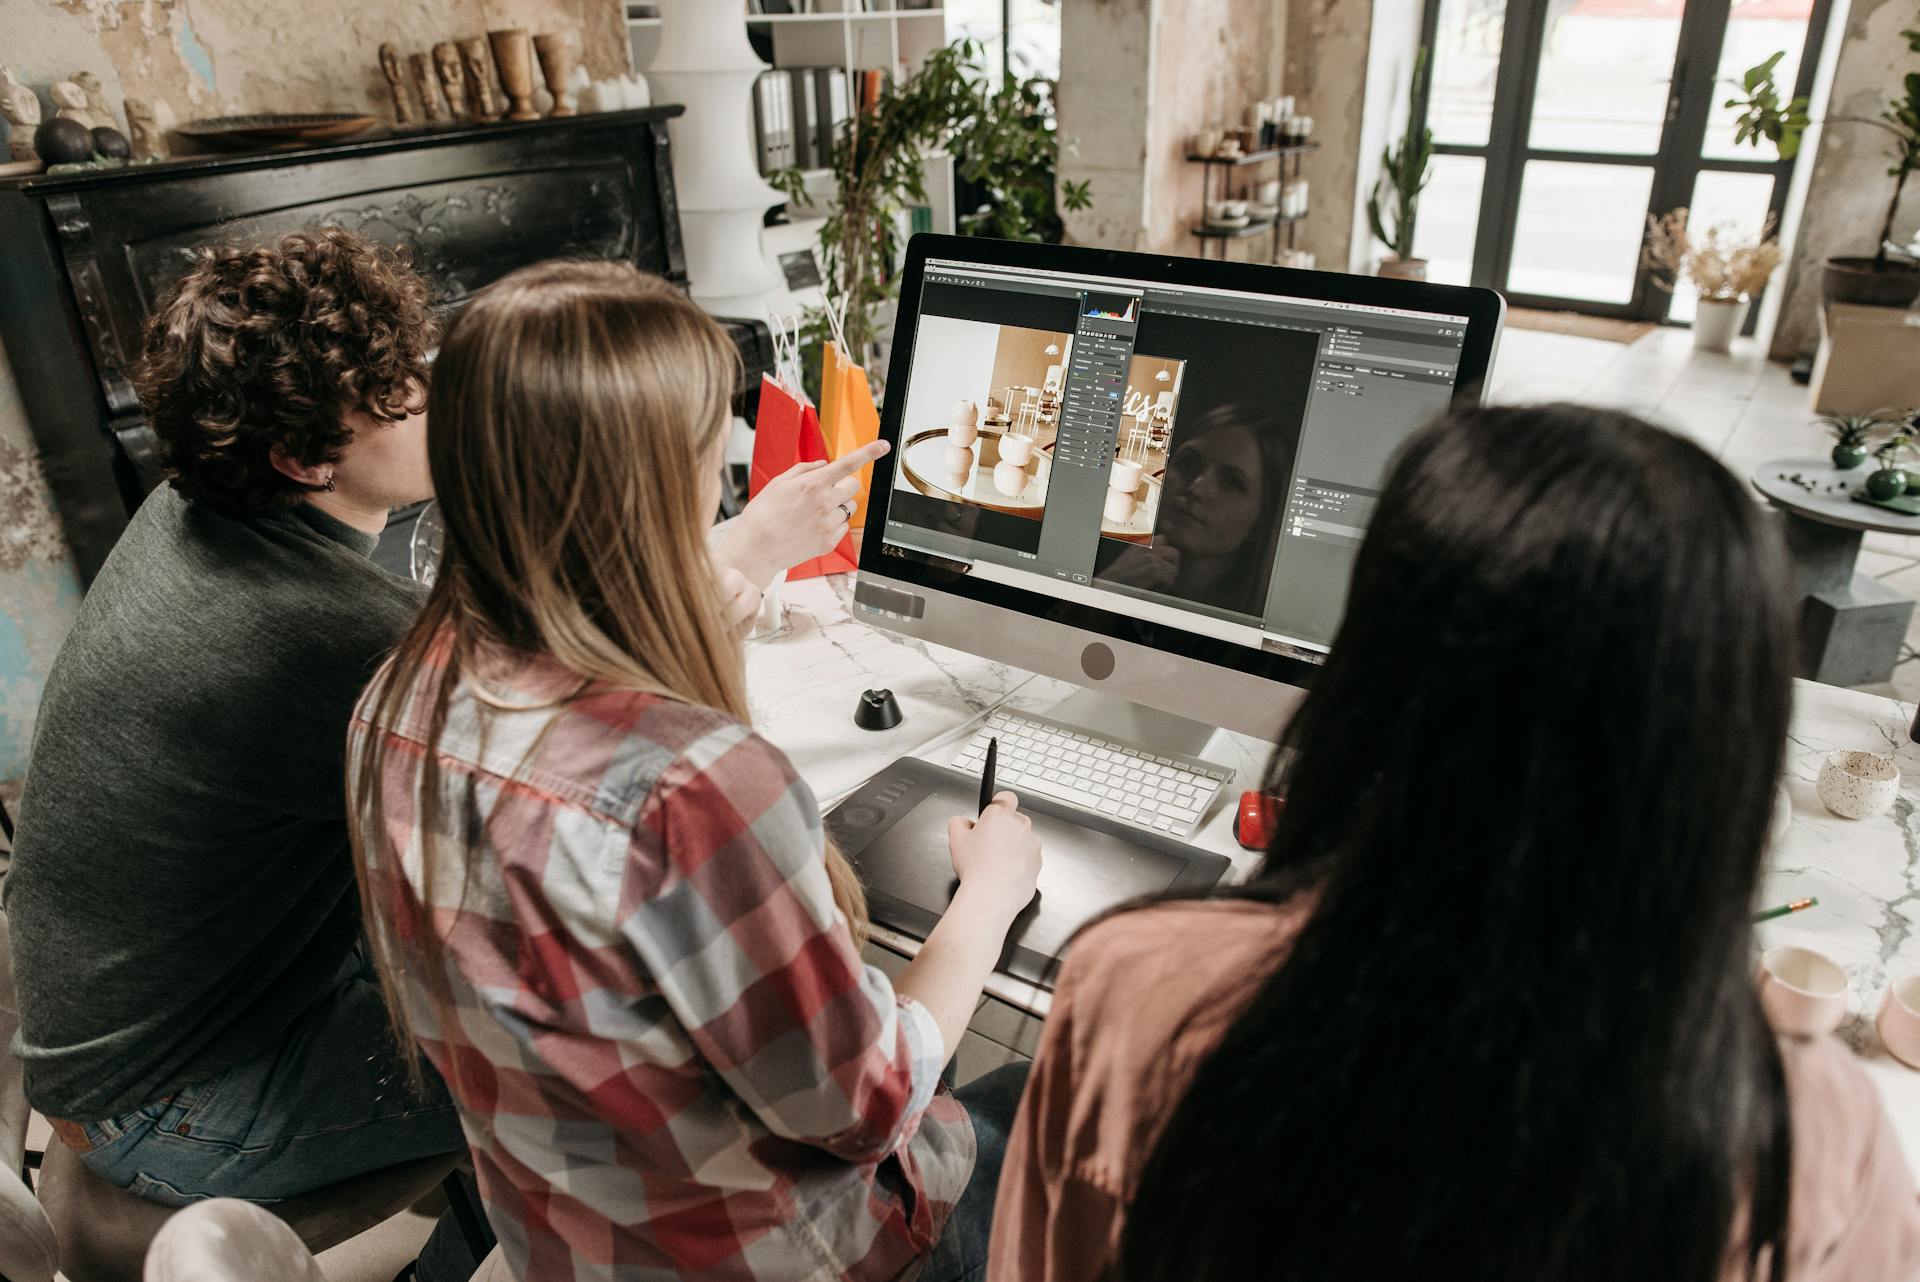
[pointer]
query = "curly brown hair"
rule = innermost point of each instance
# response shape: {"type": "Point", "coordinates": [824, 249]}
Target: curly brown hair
{"type": "Point", "coordinates": [273, 346]}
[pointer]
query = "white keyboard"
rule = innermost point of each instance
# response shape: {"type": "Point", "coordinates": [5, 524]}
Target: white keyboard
{"type": "Point", "coordinates": [1162, 794]}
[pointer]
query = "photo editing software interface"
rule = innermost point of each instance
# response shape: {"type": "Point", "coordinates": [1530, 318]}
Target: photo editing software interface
{"type": "Point", "coordinates": [1211, 456]}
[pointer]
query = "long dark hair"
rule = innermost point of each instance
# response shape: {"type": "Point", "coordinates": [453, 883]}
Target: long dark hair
{"type": "Point", "coordinates": [1529, 797]}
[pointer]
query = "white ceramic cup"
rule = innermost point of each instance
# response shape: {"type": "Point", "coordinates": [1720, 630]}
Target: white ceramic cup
{"type": "Point", "coordinates": [1206, 142]}
{"type": "Point", "coordinates": [1217, 211]}
{"type": "Point", "coordinates": [1803, 991]}
{"type": "Point", "coordinates": [1125, 477]}
{"type": "Point", "coordinates": [958, 460]}
{"type": "Point", "coordinates": [1010, 479]}
{"type": "Point", "coordinates": [1899, 1019]}
{"type": "Point", "coordinates": [1858, 785]}
{"type": "Point", "coordinates": [772, 616]}
{"type": "Point", "coordinates": [1119, 507]}
{"type": "Point", "coordinates": [1016, 448]}
{"type": "Point", "coordinates": [966, 413]}
{"type": "Point", "coordinates": [962, 436]}
{"type": "Point", "coordinates": [1269, 192]}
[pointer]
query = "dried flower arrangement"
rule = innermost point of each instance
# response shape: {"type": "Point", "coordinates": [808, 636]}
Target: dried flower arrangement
{"type": "Point", "coordinates": [1721, 263]}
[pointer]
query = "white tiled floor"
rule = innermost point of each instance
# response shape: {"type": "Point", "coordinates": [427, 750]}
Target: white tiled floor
{"type": "Point", "coordinates": [1742, 407]}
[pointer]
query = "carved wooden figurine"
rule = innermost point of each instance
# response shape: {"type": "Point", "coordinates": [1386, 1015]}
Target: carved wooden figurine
{"type": "Point", "coordinates": [427, 81]}
{"type": "Point", "coordinates": [453, 79]}
{"type": "Point", "coordinates": [21, 106]}
{"type": "Point", "coordinates": [96, 99]}
{"type": "Point", "coordinates": [559, 55]}
{"type": "Point", "coordinates": [70, 101]}
{"type": "Point", "coordinates": [390, 68]}
{"type": "Point", "coordinates": [480, 95]}
{"type": "Point", "coordinates": [513, 54]}
{"type": "Point", "coordinates": [149, 141]}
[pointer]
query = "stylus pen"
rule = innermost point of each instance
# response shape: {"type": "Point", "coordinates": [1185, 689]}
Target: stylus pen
{"type": "Point", "coordinates": [1784, 909]}
{"type": "Point", "coordinates": [986, 775]}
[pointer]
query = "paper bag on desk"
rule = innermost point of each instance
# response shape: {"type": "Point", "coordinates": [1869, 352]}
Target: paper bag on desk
{"type": "Point", "coordinates": [786, 432]}
{"type": "Point", "coordinates": [848, 417]}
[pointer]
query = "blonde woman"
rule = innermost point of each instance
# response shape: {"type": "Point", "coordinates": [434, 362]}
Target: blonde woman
{"type": "Point", "coordinates": [603, 905]}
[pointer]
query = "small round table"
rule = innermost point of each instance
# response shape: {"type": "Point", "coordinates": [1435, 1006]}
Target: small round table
{"type": "Point", "coordinates": [1851, 626]}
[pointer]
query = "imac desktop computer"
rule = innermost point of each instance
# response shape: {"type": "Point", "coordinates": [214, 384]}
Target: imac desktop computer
{"type": "Point", "coordinates": [1150, 477]}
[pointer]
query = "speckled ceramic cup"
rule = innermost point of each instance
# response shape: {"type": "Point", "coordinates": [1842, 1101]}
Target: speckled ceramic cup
{"type": "Point", "coordinates": [1858, 785]}
{"type": "Point", "coordinates": [1899, 1020]}
{"type": "Point", "coordinates": [1803, 991]}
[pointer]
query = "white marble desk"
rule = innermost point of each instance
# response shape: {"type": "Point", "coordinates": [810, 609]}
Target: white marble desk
{"type": "Point", "coordinates": [805, 679]}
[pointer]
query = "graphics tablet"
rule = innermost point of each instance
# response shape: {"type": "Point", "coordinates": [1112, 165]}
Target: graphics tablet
{"type": "Point", "coordinates": [894, 831]}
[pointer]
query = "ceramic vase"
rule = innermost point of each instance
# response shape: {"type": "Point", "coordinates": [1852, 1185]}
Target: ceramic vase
{"type": "Point", "coordinates": [1716, 323]}
{"type": "Point", "coordinates": [1848, 457]}
{"type": "Point", "coordinates": [513, 55]}
{"type": "Point", "coordinates": [1887, 483]}
{"type": "Point", "coordinates": [558, 57]}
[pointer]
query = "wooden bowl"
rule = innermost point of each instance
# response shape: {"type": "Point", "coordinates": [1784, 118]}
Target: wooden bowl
{"type": "Point", "coordinates": [276, 130]}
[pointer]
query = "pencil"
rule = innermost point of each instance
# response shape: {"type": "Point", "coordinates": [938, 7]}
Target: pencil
{"type": "Point", "coordinates": [986, 774]}
{"type": "Point", "coordinates": [1785, 909]}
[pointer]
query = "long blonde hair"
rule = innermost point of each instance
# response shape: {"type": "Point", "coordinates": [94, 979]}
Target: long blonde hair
{"type": "Point", "coordinates": [572, 407]}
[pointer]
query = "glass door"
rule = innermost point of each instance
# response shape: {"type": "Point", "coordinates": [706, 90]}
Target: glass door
{"type": "Point", "coordinates": [1559, 125]}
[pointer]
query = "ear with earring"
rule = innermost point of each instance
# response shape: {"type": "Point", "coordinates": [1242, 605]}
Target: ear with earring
{"type": "Point", "coordinates": [328, 486]}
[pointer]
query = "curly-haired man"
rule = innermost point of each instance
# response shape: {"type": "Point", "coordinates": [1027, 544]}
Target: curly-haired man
{"type": "Point", "coordinates": [196, 1009]}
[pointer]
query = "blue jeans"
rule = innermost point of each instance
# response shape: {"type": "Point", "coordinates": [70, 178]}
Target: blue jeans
{"type": "Point", "coordinates": [332, 1101]}
{"type": "Point", "coordinates": [991, 1101]}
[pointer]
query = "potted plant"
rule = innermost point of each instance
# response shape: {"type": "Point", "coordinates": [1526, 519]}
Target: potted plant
{"type": "Point", "coordinates": [1890, 481]}
{"type": "Point", "coordinates": [1850, 432]}
{"type": "Point", "coordinates": [1879, 280]}
{"type": "Point", "coordinates": [1725, 267]}
{"type": "Point", "coordinates": [1405, 171]}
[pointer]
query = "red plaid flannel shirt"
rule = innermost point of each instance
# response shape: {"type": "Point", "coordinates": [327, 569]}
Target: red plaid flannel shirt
{"type": "Point", "coordinates": [669, 1059]}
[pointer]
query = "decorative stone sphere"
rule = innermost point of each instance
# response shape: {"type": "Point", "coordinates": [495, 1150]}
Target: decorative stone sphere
{"type": "Point", "coordinates": [111, 143]}
{"type": "Point", "coordinates": [63, 142]}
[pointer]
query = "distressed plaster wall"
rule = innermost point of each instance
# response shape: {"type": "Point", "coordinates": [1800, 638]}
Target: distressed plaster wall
{"type": "Point", "coordinates": [1138, 78]}
{"type": "Point", "coordinates": [1328, 44]}
{"type": "Point", "coordinates": [1847, 196]}
{"type": "Point", "coordinates": [213, 57]}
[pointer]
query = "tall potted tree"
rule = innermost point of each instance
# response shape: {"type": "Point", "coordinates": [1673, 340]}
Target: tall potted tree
{"type": "Point", "coordinates": [1406, 167]}
{"type": "Point", "coordinates": [1879, 280]}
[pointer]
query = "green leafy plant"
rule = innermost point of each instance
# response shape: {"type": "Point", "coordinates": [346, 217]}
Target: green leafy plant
{"type": "Point", "coordinates": [1009, 145]}
{"type": "Point", "coordinates": [1405, 171]}
{"type": "Point", "coordinates": [1763, 115]}
{"type": "Point", "coordinates": [1853, 431]}
{"type": "Point", "coordinates": [1895, 449]}
{"type": "Point", "coordinates": [1007, 141]}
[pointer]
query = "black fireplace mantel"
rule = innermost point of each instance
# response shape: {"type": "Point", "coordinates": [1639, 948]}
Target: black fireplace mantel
{"type": "Point", "coordinates": [85, 256]}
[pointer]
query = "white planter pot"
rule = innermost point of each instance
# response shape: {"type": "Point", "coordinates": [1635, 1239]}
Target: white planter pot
{"type": "Point", "coordinates": [1716, 323]}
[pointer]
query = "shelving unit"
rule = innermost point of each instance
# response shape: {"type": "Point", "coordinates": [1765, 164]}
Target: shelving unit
{"type": "Point", "coordinates": [1289, 156]}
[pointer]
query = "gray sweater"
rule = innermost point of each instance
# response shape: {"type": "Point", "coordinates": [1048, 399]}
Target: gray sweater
{"type": "Point", "coordinates": [181, 889]}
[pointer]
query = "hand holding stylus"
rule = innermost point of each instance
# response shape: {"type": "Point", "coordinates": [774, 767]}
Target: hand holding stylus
{"type": "Point", "coordinates": [996, 857]}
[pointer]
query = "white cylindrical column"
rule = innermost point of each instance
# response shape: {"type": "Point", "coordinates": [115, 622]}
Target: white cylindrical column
{"type": "Point", "coordinates": [706, 64]}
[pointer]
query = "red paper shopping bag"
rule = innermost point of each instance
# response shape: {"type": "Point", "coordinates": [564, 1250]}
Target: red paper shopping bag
{"type": "Point", "coordinates": [787, 431]}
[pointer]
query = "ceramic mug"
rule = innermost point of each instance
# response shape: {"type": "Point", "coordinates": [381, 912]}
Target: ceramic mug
{"type": "Point", "coordinates": [1206, 142]}
{"type": "Point", "coordinates": [1010, 479]}
{"type": "Point", "coordinates": [966, 413]}
{"type": "Point", "coordinates": [1899, 1020]}
{"type": "Point", "coordinates": [1125, 477]}
{"type": "Point", "coordinates": [1217, 211]}
{"type": "Point", "coordinates": [1119, 507]}
{"type": "Point", "coordinates": [1803, 991]}
{"type": "Point", "coordinates": [1269, 192]}
{"type": "Point", "coordinates": [1016, 448]}
{"type": "Point", "coordinates": [962, 436]}
{"type": "Point", "coordinates": [1858, 785]}
{"type": "Point", "coordinates": [958, 460]}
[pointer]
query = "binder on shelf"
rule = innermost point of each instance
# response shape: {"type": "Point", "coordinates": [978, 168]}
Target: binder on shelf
{"type": "Point", "coordinates": [831, 107]}
{"type": "Point", "coordinates": [773, 120]}
{"type": "Point", "coordinates": [806, 132]}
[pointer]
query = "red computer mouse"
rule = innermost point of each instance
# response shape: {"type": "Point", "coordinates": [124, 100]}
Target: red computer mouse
{"type": "Point", "coordinates": [1253, 825]}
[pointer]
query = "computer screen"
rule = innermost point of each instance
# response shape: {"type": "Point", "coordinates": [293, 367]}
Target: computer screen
{"type": "Point", "coordinates": [1192, 456]}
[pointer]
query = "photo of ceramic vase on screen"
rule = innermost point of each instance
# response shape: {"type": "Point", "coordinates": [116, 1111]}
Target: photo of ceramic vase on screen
{"type": "Point", "coordinates": [982, 432]}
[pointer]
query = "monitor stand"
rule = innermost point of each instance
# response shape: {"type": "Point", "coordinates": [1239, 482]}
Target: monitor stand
{"type": "Point", "coordinates": [1149, 729]}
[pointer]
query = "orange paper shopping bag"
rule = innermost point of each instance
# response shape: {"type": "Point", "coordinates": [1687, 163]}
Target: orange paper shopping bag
{"type": "Point", "coordinates": [848, 417]}
{"type": "Point", "coordinates": [786, 431]}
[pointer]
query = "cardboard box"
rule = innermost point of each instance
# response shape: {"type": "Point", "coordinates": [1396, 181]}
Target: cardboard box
{"type": "Point", "coordinates": [1869, 360]}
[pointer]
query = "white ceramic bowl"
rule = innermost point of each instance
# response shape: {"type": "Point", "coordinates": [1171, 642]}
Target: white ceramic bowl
{"type": "Point", "coordinates": [958, 460]}
{"type": "Point", "coordinates": [1858, 785]}
{"type": "Point", "coordinates": [1899, 1020]}
{"type": "Point", "coordinates": [1010, 479]}
{"type": "Point", "coordinates": [1803, 991]}
{"type": "Point", "coordinates": [1016, 448]}
{"type": "Point", "coordinates": [962, 435]}
{"type": "Point", "coordinates": [1119, 506]}
{"type": "Point", "coordinates": [966, 413]}
{"type": "Point", "coordinates": [1125, 477]}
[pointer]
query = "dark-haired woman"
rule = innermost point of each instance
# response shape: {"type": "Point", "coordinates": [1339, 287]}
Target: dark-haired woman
{"type": "Point", "coordinates": [1485, 1012]}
